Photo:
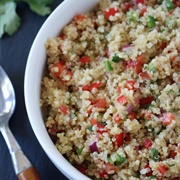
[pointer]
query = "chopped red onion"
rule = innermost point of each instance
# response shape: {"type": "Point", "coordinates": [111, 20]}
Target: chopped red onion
{"type": "Point", "coordinates": [94, 148]}
{"type": "Point", "coordinates": [100, 58]}
{"type": "Point", "coordinates": [128, 47]}
{"type": "Point", "coordinates": [129, 108]}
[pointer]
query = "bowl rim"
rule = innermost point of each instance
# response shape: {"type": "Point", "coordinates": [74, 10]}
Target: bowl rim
{"type": "Point", "coordinates": [32, 95]}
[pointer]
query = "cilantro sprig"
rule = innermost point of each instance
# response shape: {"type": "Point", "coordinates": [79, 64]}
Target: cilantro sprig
{"type": "Point", "coordinates": [10, 20]}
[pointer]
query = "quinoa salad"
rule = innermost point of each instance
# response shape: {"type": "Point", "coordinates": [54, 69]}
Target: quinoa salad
{"type": "Point", "coordinates": [112, 90]}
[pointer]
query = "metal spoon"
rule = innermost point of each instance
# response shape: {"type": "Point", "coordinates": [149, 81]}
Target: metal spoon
{"type": "Point", "coordinates": [22, 166]}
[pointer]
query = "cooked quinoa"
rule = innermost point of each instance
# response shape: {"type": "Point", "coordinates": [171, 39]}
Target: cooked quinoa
{"type": "Point", "coordinates": [112, 92]}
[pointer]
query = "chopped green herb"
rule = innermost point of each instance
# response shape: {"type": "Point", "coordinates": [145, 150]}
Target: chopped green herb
{"type": "Point", "coordinates": [137, 175]}
{"type": "Point", "coordinates": [170, 23]}
{"type": "Point", "coordinates": [151, 22]}
{"type": "Point", "coordinates": [90, 128]}
{"type": "Point", "coordinates": [100, 115]}
{"type": "Point", "coordinates": [162, 128]}
{"type": "Point", "coordinates": [151, 68]}
{"type": "Point", "coordinates": [79, 93]}
{"type": "Point", "coordinates": [116, 59]}
{"type": "Point", "coordinates": [73, 116]}
{"type": "Point", "coordinates": [162, 30]}
{"type": "Point", "coordinates": [106, 33]}
{"type": "Point", "coordinates": [110, 160]}
{"type": "Point", "coordinates": [131, 15]}
{"type": "Point", "coordinates": [159, 2]}
{"type": "Point", "coordinates": [104, 123]}
{"type": "Point", "coordinates": [158, 81]}
{"type": "Point", "coordinates": [154, 154]}
{"type": "Point", "coordinates": [170, 165]}
{"type": "Point", "coordinates": [171, 91]}
{"type": "Point", "coordinates": [151, 130]}
{"type": "Point", "coordinates": [72, 50]}
{"type": "Point", "coordinates": [152, 177]}
{"type": "Point", "coordinates": [169, 5]}
{"type": "Point", "coordinates": [150, 106]}
{"type": "Point", "coordinates": [108, 66]}
{"type": "Point", "coordinates": [119, 159]}
{"type": "Point", "coordinates": [78, 151]}
{"type": "Point", "coordinates": [54, 127]}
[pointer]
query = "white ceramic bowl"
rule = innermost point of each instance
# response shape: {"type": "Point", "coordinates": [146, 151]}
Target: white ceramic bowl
{"type": "Point", "coordinates": [33, 75]}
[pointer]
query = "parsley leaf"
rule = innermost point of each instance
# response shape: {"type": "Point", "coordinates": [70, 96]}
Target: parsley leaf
{"type": "Point", "coordinates": [154, 155]}
{"type": "Point", "coordinates": [39, 6]}
{"type": "Point", "coordinates": [10, 21]}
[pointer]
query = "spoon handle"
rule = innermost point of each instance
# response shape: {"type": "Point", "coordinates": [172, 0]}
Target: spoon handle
{"type": "Point", "coordinates": [29, 174]}
{"type": "Point", "coordinates": [22, 166]}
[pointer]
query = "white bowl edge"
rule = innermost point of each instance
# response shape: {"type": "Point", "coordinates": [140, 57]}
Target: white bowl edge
{"type": "Point", "coordinates": [33, 74]}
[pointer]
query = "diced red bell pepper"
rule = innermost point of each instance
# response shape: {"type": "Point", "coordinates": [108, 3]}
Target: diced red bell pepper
{"type": "Point", "coordinates": [139, 1]}
{"type": "Point", "coordinates": [117, 118]}
{"type": "Point", "coordinates": [119, 89]}
{"type": "Point", "coordinates": [79, 17]}
{"type": "Point", "coordinates": [162, 169]}
{"type": "Point", "coordinates": [147, 143]}
{"type": "Point", "coordinates": [64, 109]}
{"type": "Point", "coordinates": [53, 128]}
{"type": "Point", "coordinates": [63, 36]}
{"type": "Point", "coordinates": [163, 45]}
{"type": "Point", "coordinates": [132, 115]}
{"type": "Point", "coordinates": [93, 121]}
{"type": "Point", "coordinates": [127, 137]}
{"type": "Point", "coordinates": [143, 10]}
{"type": "Point", "coordinates": [150, 170]}
{"type": "Point", "coordinates": [122, 100]}
{"type": "Point", "coordinates": [66, 75]}
{"type": "Point", "coordinates": [100, 103]}
{"type": "Point", "coordinates": [144, 75]}
{"type": "Point", "coordinates": [81, 168]}
{"type": "Point", "coordinates": [95, 85]}
{"type": "Point", "coordinates": [110, 167]}
{"type": "Point", "coordinates": [89, 110]}
{"type": "Point", "coordinates": [57, 68]}
{"type": "Point", "coordinates": [173, 58]}
{"type": "Point", "coordinates": [102, 174]}
{"type": "Point", "coordinates": [130, 84]}
{"type": "Point", "coordinates": [119, 139]}
{"type": "Point", "coordinates": [91, 86]}
{"type": "Point", "coordinates": [172, 154]}
{"type": "Point", "coordinates": [146, 101]}
{"type": "Point", "coordinates": [84, 59]}
{"type": "Point", "coordinates": [139, 63]}
{"type": "Point", "coordinates": [110, 12]}
{"type": "Point", "coordinates": [127, 6]}
{"type": "Point", "coordinates": [147, 115]}
{"type": "Point", "coordinates": [85, 88]}
{"type": "Point", "coordinates": [101, 128]}
{"type": "Point", "coordinates": [178, 149]}
{"type": "Point", "coordinates": [167, 118]}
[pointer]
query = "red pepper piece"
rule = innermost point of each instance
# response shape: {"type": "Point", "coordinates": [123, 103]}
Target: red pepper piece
{"type": "Point", "coordinates": [85, 59]}
{"type": "Point", "coordinates": [119, 139]}
{"type": "Point", "coordinates": [110, 12]}
{"type": "Point", "coordinates": [122, 100]}
{"type": "Point", "coordinates": [144, 102]}
{"type": "Point", "coordinates": [147, 143]}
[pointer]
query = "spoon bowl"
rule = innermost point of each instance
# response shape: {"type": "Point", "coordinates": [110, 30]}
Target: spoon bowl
{"type": "Point", "coordinates": [7, 97]}
{"type": "Point", "coordinates": [22, 166]}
